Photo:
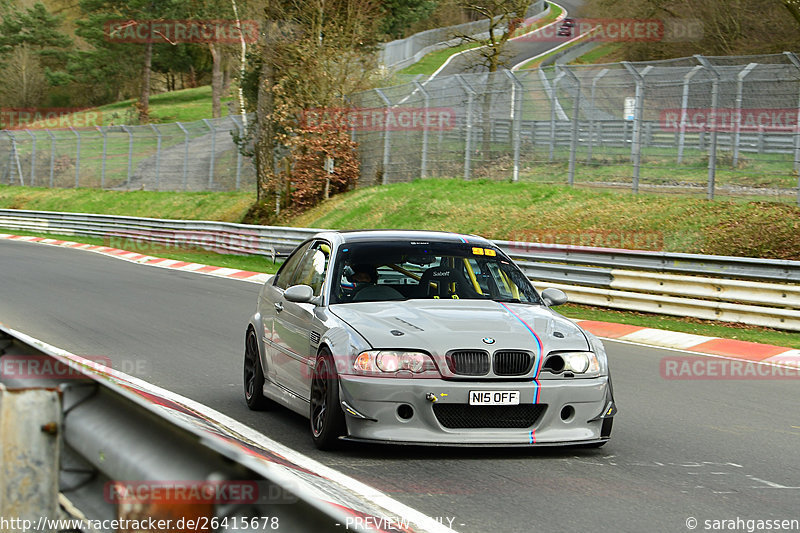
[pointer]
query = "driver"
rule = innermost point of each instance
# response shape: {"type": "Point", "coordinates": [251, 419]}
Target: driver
{"type": "Point", "coordinates": [364, 274]}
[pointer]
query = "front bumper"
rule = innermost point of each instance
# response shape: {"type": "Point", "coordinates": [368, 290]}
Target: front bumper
{"type": "Point", "coordinates": [377, 409]}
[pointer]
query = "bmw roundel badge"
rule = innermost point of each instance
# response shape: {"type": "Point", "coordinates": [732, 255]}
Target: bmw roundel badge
{"type": "Point", "coordinates": [488, 340]}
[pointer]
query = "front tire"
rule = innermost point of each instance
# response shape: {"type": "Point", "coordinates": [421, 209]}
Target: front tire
{"type": "Point", "coordinates": [253, 374]}
{"type": "Point", "coordinates": [325, 413]}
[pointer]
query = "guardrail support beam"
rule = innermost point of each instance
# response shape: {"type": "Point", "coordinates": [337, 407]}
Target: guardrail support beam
{"type": "Point", "coordinates": [29, 447]}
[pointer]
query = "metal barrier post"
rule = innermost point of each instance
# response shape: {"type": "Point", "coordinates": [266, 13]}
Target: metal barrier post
{"type": "Point", "coordinates": [52, 157]}
{"type": "Point", "coordinates": [516, 118]}
{"type": "Point", "coordinates": [185, 154]}
{"type": "Point", "coordinates": [636, 144]}
{"type": "Point", "coordinates": [573, 144]}
{"type": "Point", "coordinates": [77, 156]}
{"type": "Point", "coordinates": [15, 159]}
{"type": "Point", "coordinates": [424, 157]}
{"type": "Point", "coordinates": [130, 154]}
{"type": "Point", "coordinates": [739, 90]}
{"type": "Point", "coordinates": [213, 152]}
{"type": "Point", "coordinates": [33, 157]}
{"type": "Point", "coordinates": [796, 62]}
{"type": "Point", "coordinates": [241, 128]}
{"type": "Point", "coordinates": [591, 115]}
{"type": "Point", "coordinates": [684, 106]}
{"type": "Point", "coordinates": [103, 164]}
{"type": "Point", "coordinates": [712, 150]}
{"type": "Point", "coordinates": [553, 89]}
{"type": "Point", "coordinates": [468, 125]}
{"type": "Point", "coordinates": [158, 156]}
{"type": "Point", "coordinates": [386, 139]}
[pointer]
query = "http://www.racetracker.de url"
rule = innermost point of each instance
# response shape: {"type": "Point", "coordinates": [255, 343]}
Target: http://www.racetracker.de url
{"type": "Point", "coordinates": [201, 523]}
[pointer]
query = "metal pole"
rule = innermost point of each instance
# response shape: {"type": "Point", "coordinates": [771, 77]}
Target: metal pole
{"type": "Point", "coordinates": [77, 157]}
{"type": "Point", "coordinates": [739, 90]}
{"type": "Point", "coordinates": [636, 144]}
{"type": "Point", "coordinates": [592, 114]}
{"type": "Point", "coordinates": [130, 154]}
{"type": "Point", "coordinates": [213, 152]}
{"type": "Point", "coordinates": [796, 62]}
{"type": "Point", "coordinates": [158, 156]}
{"type": "Point", "coordinates": [386, 139]}
{"type": "Point", "coordinates": [15, 158]}
{"type": "Point", "coordinates": [573, 145]}
{"type": "Point", "coordinates": [52, 157]}
{"type": "Point", "coordinates": [553, 90]}
{"type": "Point", "coordinates": [468, 125]}
{"type": "Point", "coordinates": [423, 169]}
{"type": "Point", "coordinates": [684, 107]}
{"type": "Point", "coordinates": [516, 117]}
{"type": "Point", "coordinates": [33, 157]}
{"type": "Point", "coordinates": [239, 156]}
{"type": "Point", "coordinates": [103, 168]}
{"type": "Point", "coordinates": [185, 154]}
{"type": "Point", "coordinates": [712, 150]}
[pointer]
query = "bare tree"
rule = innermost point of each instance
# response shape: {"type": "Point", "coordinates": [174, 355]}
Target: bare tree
{"type": "Point", "coordinates": [504, 17]}
{"type": "Point", "coordinates": [23, 81]}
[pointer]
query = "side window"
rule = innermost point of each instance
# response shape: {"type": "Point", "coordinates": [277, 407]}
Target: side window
{"type": "Point", "coordinates": [285, 275]}
{"type": "Point", "coordinates": [314, 266]}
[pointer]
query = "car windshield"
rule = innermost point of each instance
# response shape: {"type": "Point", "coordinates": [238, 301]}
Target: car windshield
{"type": "Point", "coordinates": [381, 271]}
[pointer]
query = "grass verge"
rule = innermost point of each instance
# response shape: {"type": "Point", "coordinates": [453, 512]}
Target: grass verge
{"type": "Point", "coordinates": [222, 206]}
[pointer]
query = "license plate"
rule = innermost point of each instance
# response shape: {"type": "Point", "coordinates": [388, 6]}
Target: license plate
{"type": "Point", "coordinates": [494, 397]}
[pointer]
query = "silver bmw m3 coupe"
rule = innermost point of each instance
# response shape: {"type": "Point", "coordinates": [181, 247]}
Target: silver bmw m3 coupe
{"type": "Point", "coordinates": [418, 337]}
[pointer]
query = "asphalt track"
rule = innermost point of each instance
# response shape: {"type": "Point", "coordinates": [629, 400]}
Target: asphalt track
{"type": "Point", "coordinates": [517, 50]}
{"type": "Point", "coordinates": [709, 450]}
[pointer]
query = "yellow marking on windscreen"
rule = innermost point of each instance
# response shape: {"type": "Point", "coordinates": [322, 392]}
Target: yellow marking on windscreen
{"type": "Point", "coordinates": [510, 285]}
{"type": "Point", "coordinates": [471, 274]}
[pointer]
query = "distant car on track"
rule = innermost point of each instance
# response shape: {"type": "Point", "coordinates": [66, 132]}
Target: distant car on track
{"type": "Point", "coordinates": [568, 22]}
{"type": "Point", "coordinates": [564, 31]}
{"type": "Point", "coordinates": [423, 337]}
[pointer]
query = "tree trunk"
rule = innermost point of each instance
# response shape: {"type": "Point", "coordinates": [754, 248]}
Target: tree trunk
{"type": "Point", "coordinates": [144, 100]}
{"type": "Point", "coordinates": [216, 80]}
{"type": "Point", "coordinates": [265, 142]}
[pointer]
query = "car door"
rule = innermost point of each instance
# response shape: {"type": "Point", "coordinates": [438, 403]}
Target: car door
{"type": "Point", "coordinates": [271, 300]}
{"type": "Point", "coordinates": [295, 322]}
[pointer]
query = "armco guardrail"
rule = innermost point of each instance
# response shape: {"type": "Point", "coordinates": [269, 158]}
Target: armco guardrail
{"type": "Point", "coordinates": [701, 286]}
{"type": "Point", "coordinates": [109, 447]}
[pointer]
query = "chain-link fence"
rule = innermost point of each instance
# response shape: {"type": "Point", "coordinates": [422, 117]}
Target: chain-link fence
{"type": "Point", "coordinates": [401, 53]}
{"type": "Point", "coordinates": [188, 156]}
{"type": "Point", "coordinates": [712, 125]}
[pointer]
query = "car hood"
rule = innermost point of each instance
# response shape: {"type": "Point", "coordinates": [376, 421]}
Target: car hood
{"type": "Point", "coordinates": [438, 326]}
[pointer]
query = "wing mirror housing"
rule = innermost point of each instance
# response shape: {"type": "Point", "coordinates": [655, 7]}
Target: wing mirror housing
{"type": "Point", "coordinates": [301, 294]}
{"type": "Point", "coordinates": [554, 297]}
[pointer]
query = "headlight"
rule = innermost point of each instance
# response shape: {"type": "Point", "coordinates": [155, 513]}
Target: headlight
{"type": "Point", "coordinates": [584, 363]}
{"type": "Point", "coordinates": [390, 361]}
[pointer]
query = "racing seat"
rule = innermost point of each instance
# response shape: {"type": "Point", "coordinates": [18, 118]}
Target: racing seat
{"type": "Point", "coordinates": [443, 278]}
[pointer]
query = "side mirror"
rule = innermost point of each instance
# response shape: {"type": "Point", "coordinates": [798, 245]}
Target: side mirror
{"type": "Point", "coordinates": [299, 294]}
{"type": "Point", "coordinates": [554, 297]}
